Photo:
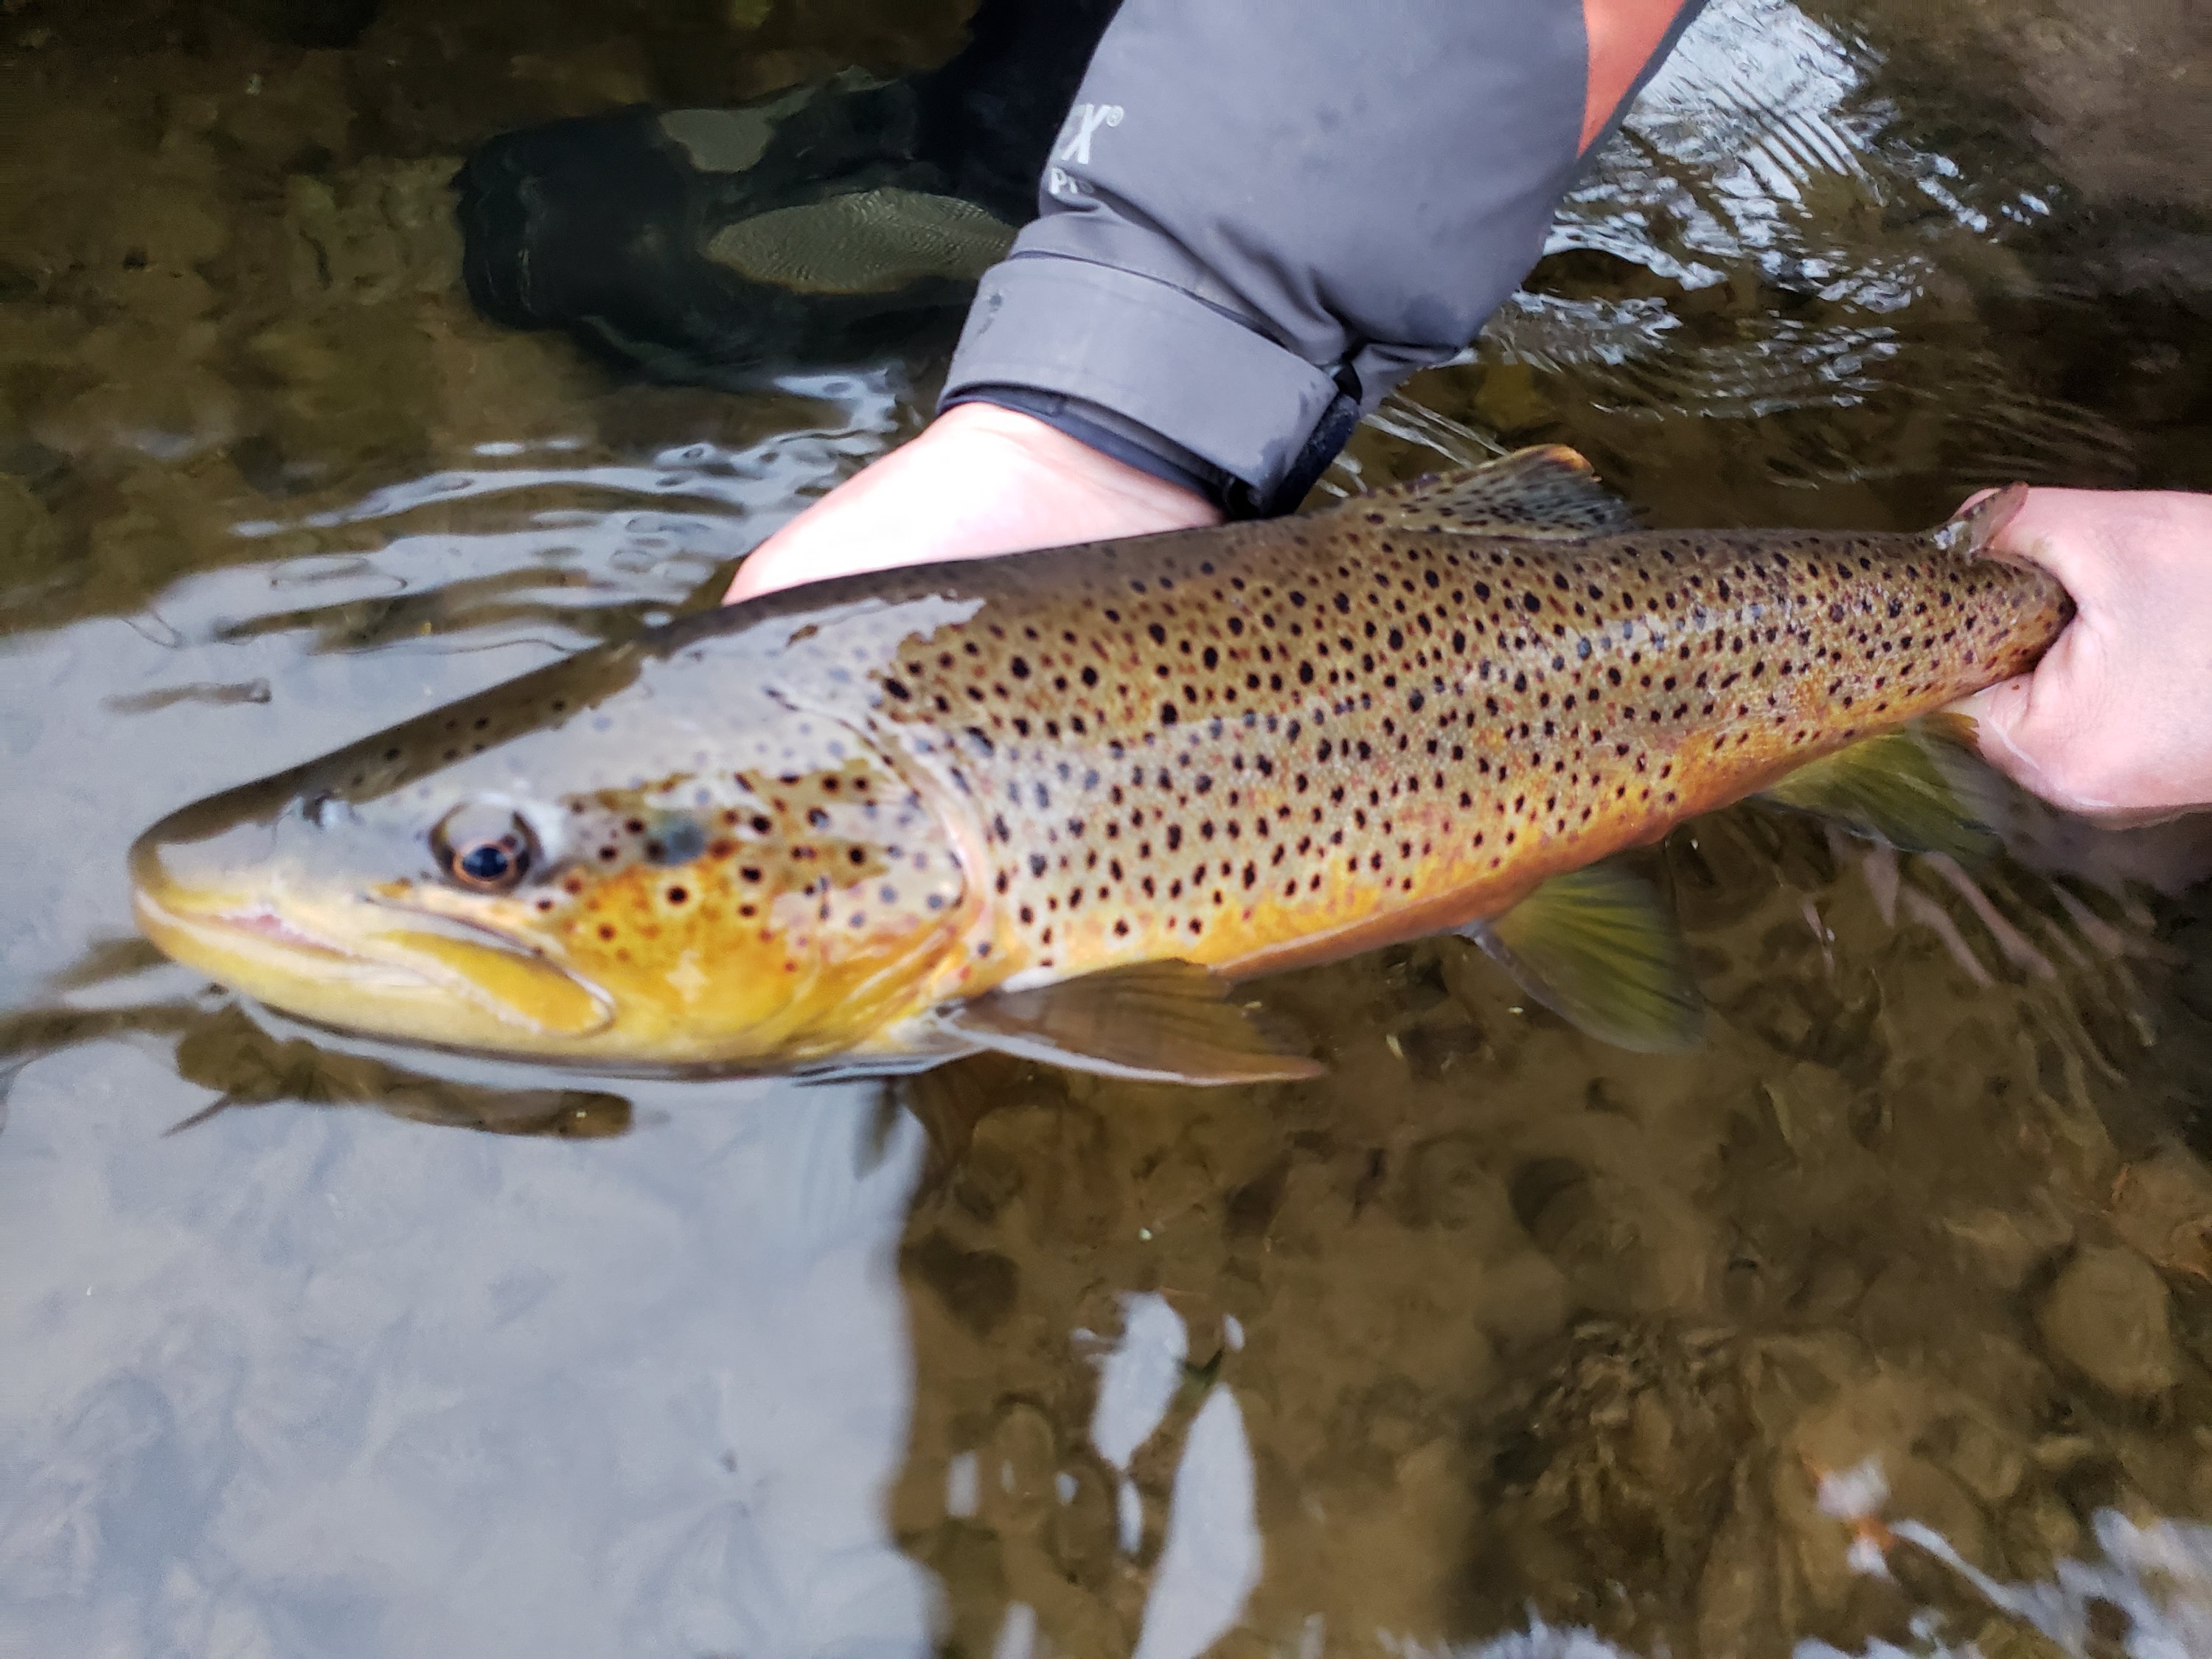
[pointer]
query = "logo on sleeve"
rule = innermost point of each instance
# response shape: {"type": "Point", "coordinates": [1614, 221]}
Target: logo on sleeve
{"type": "Point", "coordinates": [1074, 146]}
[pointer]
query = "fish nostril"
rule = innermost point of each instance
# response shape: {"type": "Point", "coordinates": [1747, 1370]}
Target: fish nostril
{"type": "Point", "coordinates": [322, 809]}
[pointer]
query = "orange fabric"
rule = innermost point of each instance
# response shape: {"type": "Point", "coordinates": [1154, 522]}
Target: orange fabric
{"type": "Point", "coordinates": [1623, 34]}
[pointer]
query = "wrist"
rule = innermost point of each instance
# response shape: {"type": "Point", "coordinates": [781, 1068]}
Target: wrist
{"type": "Point", "coordinates": [1065, 473]}
{"type": "Point", "coordinates": [979, 481]}
{"type": "Point", "coordinates": [1108, 433]}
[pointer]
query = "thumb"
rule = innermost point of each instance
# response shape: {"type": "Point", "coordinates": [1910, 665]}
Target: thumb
{"type": "Point", "coordinates": [1997, 713]}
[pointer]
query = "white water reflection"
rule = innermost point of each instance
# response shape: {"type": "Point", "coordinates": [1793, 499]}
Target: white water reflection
{"type": "Point", "coordinates": [1739, 147]}
{"type": "Point", "coordinates": [2158, 1575]}
{"type": "Point", "coordinates": [740, 480]}
{"type": "Point", "coordinates": [963, 1484]}
{"type": "Point", "coordinates": [1017, 1635]}
{"type": "Point", "coordinates": [643, 1400]}
{"type": "Point", "coordinates": [1211, 1560]}
{"type": "Point", "coordinates": [1137, 1377]}
{"type": "Point", "coordinates": [2154, 1576]}
{"type": "Point", "coordinates": [1137, 1381]}
{"type": "Point", "coordinates": [1538, 1641]}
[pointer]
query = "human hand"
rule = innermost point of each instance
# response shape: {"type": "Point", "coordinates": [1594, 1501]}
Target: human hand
{"type": "Point", "coordinates": [2115, 723]}
{"type": "Point", "coordinates": [979, 480]}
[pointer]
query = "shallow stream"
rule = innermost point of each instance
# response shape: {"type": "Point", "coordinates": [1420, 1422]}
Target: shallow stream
{"type": "Point", "coordinates": [1885, 1319]}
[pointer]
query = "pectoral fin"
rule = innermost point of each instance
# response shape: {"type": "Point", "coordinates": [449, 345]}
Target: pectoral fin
{"type": "Point", "coordinates": [1547, 492]}
{"type": "Point", "coordinates": [1597, 948]}
{"type": "Point", "coordinates": [1160, 1022]}
{"type": "Point", "coordinates": [1921, 788]}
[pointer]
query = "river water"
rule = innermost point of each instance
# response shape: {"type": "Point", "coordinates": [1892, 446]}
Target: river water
{"type": "Point", "coordinates": [1886, 1319]}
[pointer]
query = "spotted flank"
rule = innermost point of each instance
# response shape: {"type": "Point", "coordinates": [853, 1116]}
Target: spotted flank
{"type": "Point", "coordinates": [1058, 804]}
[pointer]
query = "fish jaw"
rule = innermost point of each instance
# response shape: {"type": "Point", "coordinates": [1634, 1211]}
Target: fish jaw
{"type": "Point", "coordinates": [364, 966]}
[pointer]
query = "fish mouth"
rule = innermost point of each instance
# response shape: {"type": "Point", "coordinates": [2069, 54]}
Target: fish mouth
{"type": "Point", "coordinates": [266, 924]}
{"type": "Point", "coordinates": [371, 965]}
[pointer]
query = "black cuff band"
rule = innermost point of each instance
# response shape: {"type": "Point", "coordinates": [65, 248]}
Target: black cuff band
{"type": "Point", "coordinates": [1235, 497]}
{"type": "Point", "coordinates": [1058, 410]}
{"type": "Point", "coordinates": [1330, 434]}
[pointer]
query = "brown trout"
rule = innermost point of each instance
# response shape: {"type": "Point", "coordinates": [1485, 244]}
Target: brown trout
{"type": "Point", "coordinates": [1052, 804]}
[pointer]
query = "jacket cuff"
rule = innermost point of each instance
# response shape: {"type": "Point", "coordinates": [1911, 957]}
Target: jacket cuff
{"type": "Point", "coordinates": [1106, 432]}
{"type": "Point", "coordinates": [1156, 357]}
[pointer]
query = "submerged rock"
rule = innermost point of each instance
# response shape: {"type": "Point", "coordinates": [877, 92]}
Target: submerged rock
{"type": "Point", "coordinates": [2108, 1316]}
{"type": "Point", "coordinates": [29, 540]}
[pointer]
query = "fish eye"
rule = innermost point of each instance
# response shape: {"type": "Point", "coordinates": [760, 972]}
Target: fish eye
{"type": "Point", "coordinates": [491, 865]}
{"type": "Point", "coordinates": [484, 850]}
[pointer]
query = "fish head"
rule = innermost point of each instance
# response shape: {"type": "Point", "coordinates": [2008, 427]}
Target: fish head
{"type": "Point", "coordinates": [581, 872]}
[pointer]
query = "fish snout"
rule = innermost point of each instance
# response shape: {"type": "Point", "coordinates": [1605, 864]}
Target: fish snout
{"type": "Point", "coordinates": [201, 857]}
{"type": "Point", "coordinates": [266, 893]}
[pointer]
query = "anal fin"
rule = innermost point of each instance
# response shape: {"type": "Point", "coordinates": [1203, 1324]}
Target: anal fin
{"type": "Point", "coordinates": [1597, 948]}
{"type": "Point", "coordinates": [1160, 1022]}
{"type": "Point", "coordinates": [1921, 788]}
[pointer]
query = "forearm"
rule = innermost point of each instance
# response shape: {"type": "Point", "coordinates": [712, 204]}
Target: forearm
{"type": "Point", "coordinates": [1255, 224]}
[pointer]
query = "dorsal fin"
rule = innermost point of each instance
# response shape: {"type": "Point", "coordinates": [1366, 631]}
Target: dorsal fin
{"type": "Point", "coordinates": [1548, 492]}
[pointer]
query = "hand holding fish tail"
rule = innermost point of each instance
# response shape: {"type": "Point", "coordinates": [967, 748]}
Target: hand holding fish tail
{"type": "Point", "coordinates": [2113, 723]}
{"type": "Point", "coordinates": [979, 480]}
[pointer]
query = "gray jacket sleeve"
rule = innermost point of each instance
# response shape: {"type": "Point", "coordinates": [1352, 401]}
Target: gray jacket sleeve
{"type": "Point", "coordinates": [1255, 214]}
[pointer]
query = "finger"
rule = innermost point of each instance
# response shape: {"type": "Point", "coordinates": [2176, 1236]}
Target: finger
{"type": "Point", "coordinates": [779, 562]}
{"type": "Point", "coordinates": [1997, 712]}
{"type": "Point", "coordinates": [2063, 531]}
{"type": "Point", "coordinates": [755, 575]}
{"type": "Point", "coordinates": [783, 559]}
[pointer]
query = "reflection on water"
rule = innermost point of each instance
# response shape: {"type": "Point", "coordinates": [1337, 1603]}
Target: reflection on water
{"type": "Point", "coordinates": [1882, 1325]}
{"type": "Point", "coordinates": [1807, 224]}
{"type": "Point", "coordinates": [2149, 1595]}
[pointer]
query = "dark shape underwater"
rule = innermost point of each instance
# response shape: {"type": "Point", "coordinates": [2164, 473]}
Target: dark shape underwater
{"type": "Point", "coordinates": [824, 225]}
